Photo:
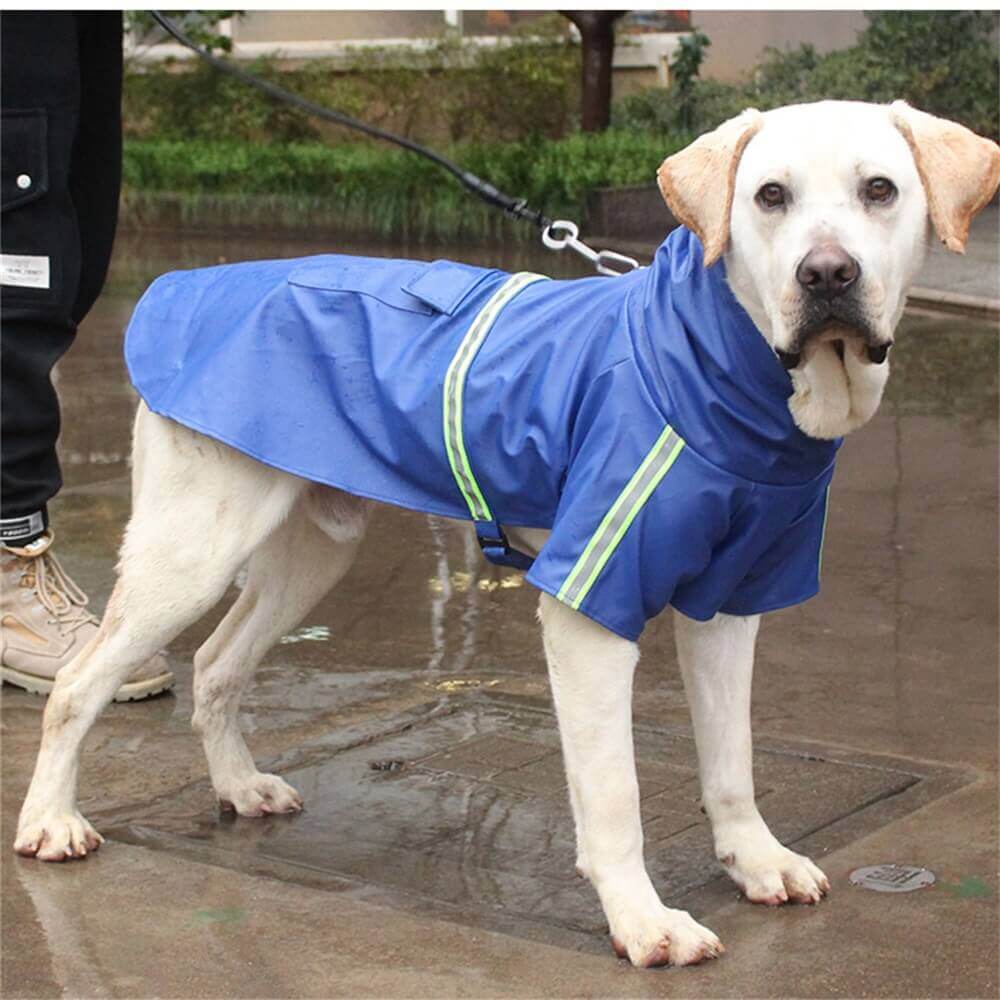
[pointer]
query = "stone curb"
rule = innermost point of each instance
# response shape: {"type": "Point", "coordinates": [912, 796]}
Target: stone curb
{"type": "Point", "coordinates": [954, 302]}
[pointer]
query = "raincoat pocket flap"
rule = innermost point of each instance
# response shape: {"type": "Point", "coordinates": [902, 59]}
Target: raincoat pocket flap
{"type": "Point", "coordinates": [444, 284]}
{"type": "Point", "coordinates": [377, 279]}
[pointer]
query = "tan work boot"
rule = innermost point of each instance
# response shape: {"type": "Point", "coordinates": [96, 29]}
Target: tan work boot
{"type": "Point", "coordinates": [44, 623]}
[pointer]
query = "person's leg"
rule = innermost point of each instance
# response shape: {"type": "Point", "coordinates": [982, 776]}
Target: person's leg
{"type": "Point", "coordinates": [40, 87]}
{"type": "Point", "coordinates": [61, 137]}
{"type": "Point", "coordinates": [61, 90]}
{"type": "Point", "coordinates": [96, 169]}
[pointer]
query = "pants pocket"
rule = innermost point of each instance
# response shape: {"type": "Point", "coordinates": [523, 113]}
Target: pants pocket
{"type": "Point", "coordinates": [24, 161]}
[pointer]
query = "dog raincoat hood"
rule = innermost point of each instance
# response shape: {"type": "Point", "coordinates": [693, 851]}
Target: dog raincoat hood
{"type": "Point", "coordinates": [643, 419]}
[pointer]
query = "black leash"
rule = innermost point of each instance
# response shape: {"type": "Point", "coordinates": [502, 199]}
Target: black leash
{"type": "Point", "coordinates": [605, 261]}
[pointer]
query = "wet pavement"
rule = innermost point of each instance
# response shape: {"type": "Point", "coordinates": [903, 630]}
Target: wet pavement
{"type": "Point", "coordinates": [875, 715]}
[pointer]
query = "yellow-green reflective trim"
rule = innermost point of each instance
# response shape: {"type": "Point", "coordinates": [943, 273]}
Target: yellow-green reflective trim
{"type": "Point", "coordinates": [454, 390]}
{"type": "Point", "coordinates": [822, 537]}
{"type": "Point", "coordinates": [619, 518]}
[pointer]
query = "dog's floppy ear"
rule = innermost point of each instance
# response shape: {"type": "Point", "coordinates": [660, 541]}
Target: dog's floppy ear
{"type": "Point", "coordinates": [960, 170]}
{"type": "Point", "coordinates": [697, 183]}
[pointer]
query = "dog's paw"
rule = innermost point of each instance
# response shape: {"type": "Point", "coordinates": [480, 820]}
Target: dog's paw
{"type": "Point", "coordinates": [663, 937]}
{"type": "Point", "coordinates": [768, 872]}
{"type": "Point", "coordinates": [59, 837]}
{"type": "Point", "coordinates": [261, 795]}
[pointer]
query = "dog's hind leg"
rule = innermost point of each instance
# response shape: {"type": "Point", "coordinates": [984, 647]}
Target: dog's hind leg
{"type": "Point", "coordinates": [288, 574]}
{"type": "Point", "coordinates": [716, 659]}
{"type": "Point", "coordinates": [195, 521]}
{"type": "Point", "coordinates": [591, 672]}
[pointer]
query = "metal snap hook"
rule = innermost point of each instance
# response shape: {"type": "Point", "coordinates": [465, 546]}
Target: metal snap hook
{"type": "Point", "coordinates": [605, 261]}
{"type": "Point", "coordinates": [553, 242]}
{"type": "Point", "coordinates": [615, 264]}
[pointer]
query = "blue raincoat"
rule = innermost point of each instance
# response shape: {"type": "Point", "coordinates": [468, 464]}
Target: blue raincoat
{"type": "Point", "coordinates": [643, 419]}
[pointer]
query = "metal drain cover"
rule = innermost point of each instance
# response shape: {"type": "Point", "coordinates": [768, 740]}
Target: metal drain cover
{"type": "Point", "coordinates": [892, 878]}
{"type": "Point", "coordinates": [466, 815]}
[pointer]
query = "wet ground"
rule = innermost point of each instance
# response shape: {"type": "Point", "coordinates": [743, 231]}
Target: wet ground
{"type": "Point", "coordinates": [875, 714]}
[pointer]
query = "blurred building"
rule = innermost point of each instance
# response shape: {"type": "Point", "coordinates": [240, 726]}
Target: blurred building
{"type": "Point", "coordinates": [646, 40]}
{"type": "Point", "coordinates": [739, 37]}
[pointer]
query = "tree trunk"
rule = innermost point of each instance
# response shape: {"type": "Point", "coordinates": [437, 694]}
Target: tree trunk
{"type": "Point", "coordinates": [597, 33]}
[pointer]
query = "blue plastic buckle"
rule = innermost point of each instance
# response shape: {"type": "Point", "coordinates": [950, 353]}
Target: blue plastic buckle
{"type": "Point", "coordinates": [495, 547]}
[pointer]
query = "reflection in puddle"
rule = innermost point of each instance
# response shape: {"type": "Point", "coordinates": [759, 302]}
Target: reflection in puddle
{"type": "Point", "coordinates": [460, 684]}
{"type": "Point", "coordinates": [440, 594]}
{"type": "Point", "coordinates": [306, 633]}
{"type": "Point", "coordinates": [474, 564]}
{"type": "Point", "coordinates": [461, 582]}
{"type": "Point", "coordinates": [59, 913]}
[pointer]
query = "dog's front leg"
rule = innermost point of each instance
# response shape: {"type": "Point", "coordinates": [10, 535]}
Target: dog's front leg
{"type": "Point", "coordinates": [716, 659]}
{"type": "Point", "coordinates": [591, 674]}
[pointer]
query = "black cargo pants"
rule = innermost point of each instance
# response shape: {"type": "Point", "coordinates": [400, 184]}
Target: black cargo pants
{"type": "Point", "coordinates": [60, 147]}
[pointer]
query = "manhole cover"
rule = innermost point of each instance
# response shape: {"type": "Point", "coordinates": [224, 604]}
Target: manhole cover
{"type": "Point", "coordinates": [892, 878]}
{"type": "Point", "coordinates": [476, 824]}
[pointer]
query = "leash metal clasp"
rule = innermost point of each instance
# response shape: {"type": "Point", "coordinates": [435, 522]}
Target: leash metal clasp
{"type": "Point", "coordinates": [605, 261]}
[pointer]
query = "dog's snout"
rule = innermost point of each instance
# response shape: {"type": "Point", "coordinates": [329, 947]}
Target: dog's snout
{"type": "Point", "coordinates": [827, 271]}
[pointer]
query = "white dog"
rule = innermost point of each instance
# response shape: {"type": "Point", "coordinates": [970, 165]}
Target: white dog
{"type": "Point", "coordinates": [820, 214]}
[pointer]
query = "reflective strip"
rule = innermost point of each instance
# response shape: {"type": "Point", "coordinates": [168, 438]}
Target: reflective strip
{"type": "Point", "coordinates": [454, 388]}
{"type": "Point", "coordinates": [623, 512]}
{"type": "Point", "coordinates": [822, 537]}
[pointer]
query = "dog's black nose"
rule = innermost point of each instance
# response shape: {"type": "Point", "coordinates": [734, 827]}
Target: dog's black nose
{"type": "Point", "coordinates": [827, 271]}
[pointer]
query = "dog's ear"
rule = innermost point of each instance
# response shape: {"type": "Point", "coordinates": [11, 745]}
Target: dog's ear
{"type": "Point", "coordinates": [960, 170]}
{"type": "Point", "coordinates": [697, 183]}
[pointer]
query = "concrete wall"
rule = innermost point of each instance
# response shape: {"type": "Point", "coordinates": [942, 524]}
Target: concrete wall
{"type": "Point", "coordinates": [347, 25]}
{"type": "Point", "coordinates": [308, 26]}
{"type": "Point", "coordinates": [740, 36]}
{"type": "Point", "coordinates": [641, 58]}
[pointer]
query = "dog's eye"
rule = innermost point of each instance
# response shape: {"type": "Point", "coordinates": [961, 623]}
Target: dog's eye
{"type": "Point", "coordinates": [880, 190]}
{"type": "Point", "coordinates": [771, 196]}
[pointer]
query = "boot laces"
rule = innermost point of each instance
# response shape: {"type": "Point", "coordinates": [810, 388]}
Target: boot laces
{"type": "Point", "coordinates": [65, 602]}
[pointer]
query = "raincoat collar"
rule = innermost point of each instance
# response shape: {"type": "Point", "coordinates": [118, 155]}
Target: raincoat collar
{"type": "Point", "coordinates": [725, 389]}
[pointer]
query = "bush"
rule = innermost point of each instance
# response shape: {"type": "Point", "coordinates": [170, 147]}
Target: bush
{"type": "Point", "coordinates": [945, 63]}
{"type": "Point", "coordinates": [450, 91]}
{"type": "Point", "coordinates": [388, 192]}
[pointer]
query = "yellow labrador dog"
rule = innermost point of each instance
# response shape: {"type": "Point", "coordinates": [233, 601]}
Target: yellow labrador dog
{"type": "Point", "coordinates": [821, 213]}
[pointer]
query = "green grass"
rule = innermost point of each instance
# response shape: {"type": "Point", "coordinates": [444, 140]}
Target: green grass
{"type": "Point", "coordinates": [383, 191]}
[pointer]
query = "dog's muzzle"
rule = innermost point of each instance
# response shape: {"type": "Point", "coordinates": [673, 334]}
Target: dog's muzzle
{"type": "Point", "coordinates": [877, 353]}
{"type": "Point", "coordinates": [828, 276]}
{"type": "Point", "coordinates": [830, 310]}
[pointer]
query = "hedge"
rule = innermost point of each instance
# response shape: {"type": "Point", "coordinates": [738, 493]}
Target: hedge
{"type": "Point", "coordinates": [387, 192]}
